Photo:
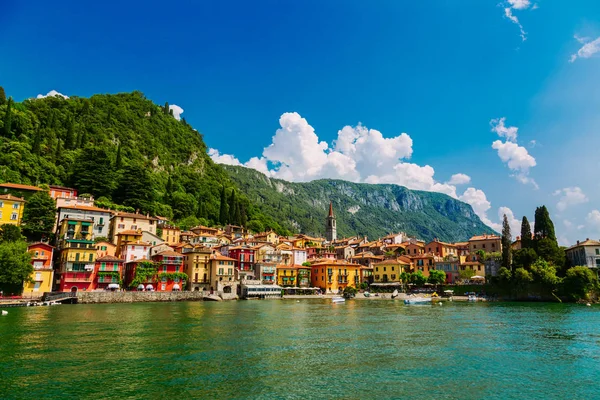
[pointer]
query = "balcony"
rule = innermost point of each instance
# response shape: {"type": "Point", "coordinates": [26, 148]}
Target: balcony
{"type": "Point", "coordinates": [108, 279]}
{"type": "Point", "coordinates": [77, 278]}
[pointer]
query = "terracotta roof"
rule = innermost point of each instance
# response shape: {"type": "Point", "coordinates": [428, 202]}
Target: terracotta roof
{"type": "Point", "coordinates": [139, 261]}
{"type": "Point", "coordinates": [133, 215]}
{"type": "Point", "coordinates": [392, 262]}
{"type": "Point", "coordinates": [39, 243]}
{"type": "Point", "coordinates": [137, 243]}
{"type": "Point", "coordinates": [220, 257]}
{"type": "Point", "coordinates": [169, 253]}
{"type": "Point", "coordinates": [586, 242]}
{"type": "Point", "coordinates": [61, 187]}
{"type": "Point", "coordinates": [130, 232]}
{"type": "Point", "coordinates": [19, 186]}
{"type": "Point", "coordinates": [461, 244]}
{"type": "Point", "coordinates": [110, 258]}
{"type": "Point", "coordinates": [485, 237]}
{"type": "Point", "coordinates": [334, 262]}
{"type": "Point", "coordinates": [11, 197]}
{"type": "Point", "coordinates": [87, 208]}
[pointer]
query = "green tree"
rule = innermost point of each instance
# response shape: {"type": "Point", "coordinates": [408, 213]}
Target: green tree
{"type": "Point", "coordinates": [256, 226]}
{"type": "Point", "coordinates": [579, 282]}
{"type": "Point", "coordinates": [136, 189]}
{"type": "Point", "coordinates": [36, 147]}
{"type": "Point", "coordinates": [166, 109]}
{"type": "Point", "coordinates": [549, 250]}
{"type": "Point", "coordinates": [2, 96]}
{"type": "Point", "coordinates": [544, 227]}
{"type": "Point", "coordinates": [522, 278]}
{"type": "Point", "coordinates": [436, 277]}
{"type": "Point", "coordinates": [184, 205]}
{"type": "Point", "coordinates": [10, 233]}
{"type": "Point", "coordinates": [243, 216]}
{"type": "Point", "coordinates": [7, 128]}
{"type": "Point", "coordinates": [523, 258]}
{"type": "Point", "coordinates": [504, 275]}
{"type": "Point", "coordinates": [39, 216]}
{"type": "Point", "coordinates": [418, 278]}
{"type": "Point", "coordinates": [223, 207]}
{"type": "Point", "coordinates": [93, 172]}
{"type": "Point", "coordinates": [70, 138]}
{"type": "Point", "coordinates": [118, 160]}
{"type": "Point", "coordinates": [506, 244]}
{"type": "Point", "coordinates": [232, 208]}
{"type": "Point", "coordinates": [58, 152]}
{"type": "Point", "coordinates": [466, 273]}
{"type": "Point", "coordinates": [544, 275]}
{"type": "Point", "coordinates": [526, 237]}
{"type": "Point", "coordinates": [15, 263]}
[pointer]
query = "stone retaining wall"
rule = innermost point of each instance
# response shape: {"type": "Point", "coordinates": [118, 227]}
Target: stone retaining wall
{"type": "Point", "coordinates": [135, 297]}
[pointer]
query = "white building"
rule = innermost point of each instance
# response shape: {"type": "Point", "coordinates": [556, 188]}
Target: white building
{"type": "Point", "coordinates": [99, 216]}
{"type": "Point", "coordinates": [135, 251]}
{"type": "Point", "coordinates": [585, 254]}
{"type": "Point", "coordinates": [298, 256]}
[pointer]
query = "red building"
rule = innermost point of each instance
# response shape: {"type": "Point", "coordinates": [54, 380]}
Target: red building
{"type": "Point", "coordinates": [107, 273]}
{"type": "Point", "coordinates": [244, 256]}
{"type": "Point", "coordinates": [129, 275]}
{"type": "Point", "coordinates": [61, 191]}
{"type": "Point", "coordinates": [169, 271]}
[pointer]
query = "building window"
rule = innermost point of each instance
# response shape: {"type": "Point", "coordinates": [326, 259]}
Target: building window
{"type": "Point", "coordinates": [597, 252]}
{"type": "Point", "coordinates": [13, 217]}
{"type": "Point", "coordinates": [16, 206]}
{"type": "Point", "coordinates": [121, 226]}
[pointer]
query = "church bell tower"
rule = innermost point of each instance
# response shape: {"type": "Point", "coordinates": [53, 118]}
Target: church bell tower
{"type": "Point", "coordinates": [330, 228]}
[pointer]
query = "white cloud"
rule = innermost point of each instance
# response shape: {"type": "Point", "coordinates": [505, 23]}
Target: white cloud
{"type": "Point", "coordinates": [570, 196]}
{"type": "Point", "coordinates": [511, 5]}
{"type": "Point", "coordinates": [533, 143]}
{"type": "Point", "coordinates": [177, 111]}
{"type": "Point", "coordinates": [498, 126]}
{"type": "Point", "coordinates": [593, 218]}
{"type": "Point", "coordinates": [52, 93]}
{"type": "Point", "coordinates": [589, 48]}
{"type": "Point", "coordinates": [459, 179]}
{"type": "Point", "coordinates": [223, 158]}
{"type": "Point", "coordinates": [568, 224]}
{"type": "Point", "coordinates": [514, 223]}
{"type": "Point", "coordinates": [480, 204]}
{"type": "Point", "coordinates": [516, 157]}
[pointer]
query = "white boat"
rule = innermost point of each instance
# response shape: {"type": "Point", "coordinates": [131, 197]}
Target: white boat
{"type": "Point", "coordinates": [4, 312]}
{"type": "Point", "coordinates": [338, 300]}
{"type": "Point", "coordinates": [395, 294]}
{"type": "Point", "coordinates": [472, 297]}
{"type": "Point", "coordinates": [418, 300]}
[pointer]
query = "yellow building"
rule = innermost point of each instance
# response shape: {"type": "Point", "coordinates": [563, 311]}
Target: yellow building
{"type": "Point", "coordinates": [196, 264]}
{"type": "Point", "coordinates": [335, 275]}
{"type": "Point", "coordinates": [123, 221]}
{"type": "Point", "coordinates": [222, 273]}
{"type": "Point", "coordinates": [43, 274]}
{"type": "Point", "coordinates": [389, 270]}
{"type": "Point", "coordinates": [77, 254]}
{"type": "Point", "coordinates": [11, 209]}
{"type": "Point", "coordinates": [487, 243]}
{"type": "Point", "coordinates": [171, 235]}
{"type": "Point", "coordinates": [125, 237]}
{"type": "Point", "coordinates": [269, 236]}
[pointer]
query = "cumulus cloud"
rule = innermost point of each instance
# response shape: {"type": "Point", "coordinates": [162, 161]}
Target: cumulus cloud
{"type": "Point", "coordinates": [52, 93]}
{"type": "Point", "coordinates": [589, 48]}
{"type": "Point", "coordinates": [516, 157]}
{"type": "Point", "coordinates": [593, 219]}
{"type": "Point", "coordinates": [570, 196]}
{"type": "Point", "coordinates": [177, 111]}
{"type": "Point", "coordinates": [480, 204]}
{"type": "Point", "coordinates": [226, 159]}
{"type": "Point", "coordinates": [459, 179]}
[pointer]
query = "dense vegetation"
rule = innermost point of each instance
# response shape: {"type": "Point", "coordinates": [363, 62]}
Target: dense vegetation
{"type": "Point", "coordinates": [363, 209]}
{"type": "Point", "coordinates": [125, 151]}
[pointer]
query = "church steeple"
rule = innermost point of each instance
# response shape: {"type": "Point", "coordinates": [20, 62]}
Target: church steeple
{"type": "Point", "coordinates": [330, 226]}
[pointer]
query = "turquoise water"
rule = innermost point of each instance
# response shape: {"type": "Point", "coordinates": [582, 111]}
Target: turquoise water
{"type": "Point", "coordinates": [284, 349]}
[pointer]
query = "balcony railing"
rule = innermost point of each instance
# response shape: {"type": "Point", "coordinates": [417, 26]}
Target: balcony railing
{"type": "Point", "coordinates": [77, 278]}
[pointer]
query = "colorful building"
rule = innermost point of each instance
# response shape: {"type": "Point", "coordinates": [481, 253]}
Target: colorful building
{"type": "Point", "coordinates": [171, 234]}
{"type": "Point", "coordinates": [450, 265]}
{"type": "Point", "coordinates": [442, 249]}
{"type": "Point", "coordinates": [244, 257]}
{"type": "Point", "coordinates": [105, 249]}
{"type": "Point", "coordinates": [487, 243]}
{"type": "Point", "coordinates": [586, 253]}
{"type": "Point", "coordinates": [108, 273]}
{"type": "Point", "coordinates": [98, 216]}
{"type": "Point", "coordinates": [62, 192]}
{"type": "Point", "coordinates": [389, 270]}
{"type": "Point", "coordinates": [11, 209]}
{"type": "Point", "coordinates": [197, 266]}
{"type": "Point", "coordinates": [75, 241]}
{"type": "Point", "coordinates": [19, 190]}
{"type": "Point", "coordinates": [334, 275]}
{"type": "Point", "coordinates": [266, 272]}
{"type": "Point", "coordinates": [130, 272]}
{"type": "Point", "coordinates": [169, 271]}
{"type": "Point", "coordinates": [269, 236]}
{"type": "Point", "coordinates": [123, 221]}
{"type": "Point", "coordinates": [43, 274]}
{"type": "Point", "coordinates": [222, 273]}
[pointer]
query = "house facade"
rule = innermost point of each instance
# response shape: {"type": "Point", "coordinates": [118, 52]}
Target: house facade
{"type": "Point", "coordinates": [42, 276]}
{"type": "Point", "coordinates": [11, 209]}
{"type": "Point", "coordinates": [586, 253]}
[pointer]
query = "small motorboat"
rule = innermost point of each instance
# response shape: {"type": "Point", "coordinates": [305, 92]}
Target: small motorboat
{"type": "Point", "coordinates": [4, 312]}
{"type": "Point", "coordinates": [472, 297]}
{"type": "Point", "coordinates": [338, 300]}
{"type": "Point", "coordinates": [367, 294]}
{"type": "Point", "coordinates": [418, 300]}
{"type": "Point", "coordinates": [395, 294]}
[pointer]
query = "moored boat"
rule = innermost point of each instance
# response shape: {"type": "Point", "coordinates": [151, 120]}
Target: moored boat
{"type": "Point", "coordinates": [418, 300]}
{"type": "Point", "coordinates": [338, 300]}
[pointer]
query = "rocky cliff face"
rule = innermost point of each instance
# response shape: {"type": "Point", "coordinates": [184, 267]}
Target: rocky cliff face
{"type": "Point", "coordinates": [361, 209]}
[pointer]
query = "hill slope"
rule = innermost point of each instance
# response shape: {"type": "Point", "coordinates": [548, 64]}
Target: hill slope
{"type": "Point", "coordinates": [364, 209]}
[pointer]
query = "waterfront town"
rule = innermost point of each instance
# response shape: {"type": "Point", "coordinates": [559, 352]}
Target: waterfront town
{"type": "Point", "coordinates": [97, 249]}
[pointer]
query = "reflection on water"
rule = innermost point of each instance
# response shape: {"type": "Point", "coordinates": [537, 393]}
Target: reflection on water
{"type": "Point", "coordinates": [290, 349]}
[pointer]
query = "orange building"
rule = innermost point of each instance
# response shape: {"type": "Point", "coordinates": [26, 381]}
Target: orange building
{"type": "Point", "coordinates": [105, 249]}
{"type": "Point", "coordinates": [487, 243]}
{"type": "Point", "coordinates": [414, 249]}
{"type": "Point", "coordinates": [440, 248]}
{"type": "Point", "coordinates": [62, 192]}
{"type": "Point", "coordinates": [334, 275]}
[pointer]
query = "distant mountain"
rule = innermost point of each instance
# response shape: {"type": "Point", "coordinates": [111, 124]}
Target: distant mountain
{"type": "Point", "coordinates": [361, 209]}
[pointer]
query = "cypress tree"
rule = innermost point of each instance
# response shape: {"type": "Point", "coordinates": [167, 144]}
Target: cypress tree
{"type": "Point", "coordinates": [506, 243]}
{"type": "Point", "coordinates": [118, 161]}
{"type": "Point", "coordinates": [232, 208]}
{"type": "Point", "coordinates": [2, 96]}
{"type": "Point", "coordinates": [166, 109]}
{"type": "Point", "coordinates": [237, 218]}
{"type": "Point", "coordinates": [223, 208]}
{"type": "Point", "coordinates": [58, 152]}
{"type": "Point", "coordinates": [6, 130]}
{"type": "Point", "coordinates": [544, 228]}
{"type": "Point", "coordinates": [37, 142]}
{"type": "Point", "coordinates": [525, 234]}
{"type": "Point", "coordinates": [70, 139]}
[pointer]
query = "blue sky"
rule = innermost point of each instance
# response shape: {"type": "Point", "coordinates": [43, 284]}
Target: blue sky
{"type": "Point", "coordinates": [317, 89]}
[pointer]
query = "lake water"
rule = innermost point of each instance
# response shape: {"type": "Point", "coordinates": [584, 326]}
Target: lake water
{"type": "Point", "coordinates": [284, 349]}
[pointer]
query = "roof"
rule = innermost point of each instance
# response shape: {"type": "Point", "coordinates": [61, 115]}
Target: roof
{"type": "Point", "coordinates": [39, 244]}
{"type": "Point", "coordinates": [11, 198]}
{"type": "Point", "coordinates": [134, 215]}
{"type": "Point", "coordinates": [61, 187]}
{"type": "Point", "coordinates": [139, 261]}
{"type": "Point", "coordinates": [220, 257]}
{"type": "Point", "coordinates": [461, 244]}
{"type": "Point", "coordinates": [586, 242]}
{"type": "Point", "coordinates": [484, 237]}
{"type": "Point", "coordinates": [391, 261]}
{"type": "Point", "coordinates": [330, 209]}
{"type": "Point", "coordinates": [169, 253]}
{"type": "Point", "coordinates": [87, 208]}
{"type": "Point", "coordinates": [109, 258]}
{"type": "Point", "coordinates": [20, 186]}
{"type": "Point", "coordinates": [130, 232]}
{"type": "Point", "coordinates": [442, 243]}
{"type": "Point", "coordinates": [333, 262]}
{"type": "Point", "coordinates": [138, 243]}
